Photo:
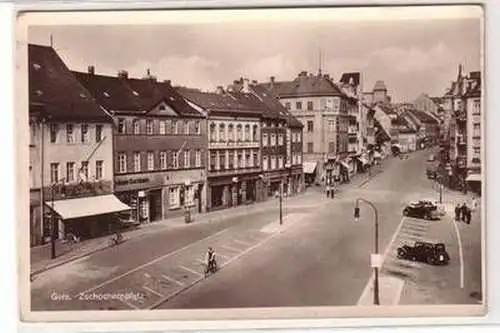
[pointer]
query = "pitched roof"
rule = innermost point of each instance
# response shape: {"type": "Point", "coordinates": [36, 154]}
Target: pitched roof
{"type": "Point", "coordinates": [305, 85]}
{"type": "Point", "coordinates": [134, 95]}
{"type": "Point", "coordinates": [274, 106]}
{"type": "Point", "coordinates": [221, 102]}
{"type": "Point", "coordinates": [53, 87]}
{"type": "Point", "coordinates": [423, 117]}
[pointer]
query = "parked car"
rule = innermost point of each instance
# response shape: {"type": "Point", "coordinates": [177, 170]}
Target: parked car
{"type": "Point", "coordinates": [422, 209]}
{"type": "Point", "coordinates": [431, 253]}
{"type": "Point", "coordinates": [431, 158]}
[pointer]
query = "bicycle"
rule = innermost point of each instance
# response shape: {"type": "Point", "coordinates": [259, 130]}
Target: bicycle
{"type": "Point", "coordinates": [116, 239]}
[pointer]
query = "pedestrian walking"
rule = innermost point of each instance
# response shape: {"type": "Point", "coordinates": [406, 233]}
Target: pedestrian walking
{"type": "Point", "coordinates": [458, 210]}
{"type": "Point", "coordinates": [468, 215]}
{"type": "Point", "coordinates": [463, 211]}
{"type": "Point", "coordinates": [474, 203]}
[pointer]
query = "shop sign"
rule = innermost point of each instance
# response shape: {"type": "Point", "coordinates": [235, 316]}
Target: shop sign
{"type": "Point", "coordinates": [132, 181]}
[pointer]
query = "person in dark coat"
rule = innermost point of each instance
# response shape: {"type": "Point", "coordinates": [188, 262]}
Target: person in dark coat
{"type": "Point", "coordinates": [468, 215]}
{"type": "Point", "coordinates": [463, 211]}
{"type": "Point", "coordinates": [458, 210]}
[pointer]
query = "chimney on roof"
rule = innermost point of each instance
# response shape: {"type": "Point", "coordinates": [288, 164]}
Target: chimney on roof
{"type": "Point", "coordinates": [91, 70]}
{"type": "Point", "coordinates": [254, 81]}
{"type": "Point", "coordinates": [148, 72]}
{"type": "Point", "coordinates": [123, 74]}
{"type": "Point", "coordinates": [246, 86]}
{"type": "Point", "coordinates": [219, 90]}
{"type": "Point", "coordinates": [168, 82]}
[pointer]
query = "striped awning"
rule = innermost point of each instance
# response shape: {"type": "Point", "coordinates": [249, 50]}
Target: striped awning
{"type": "Point", "coordinates": [89, 206]}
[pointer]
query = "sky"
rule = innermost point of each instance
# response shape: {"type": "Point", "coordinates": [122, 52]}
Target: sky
{"type": "Point", "coordinates": [410, 56]}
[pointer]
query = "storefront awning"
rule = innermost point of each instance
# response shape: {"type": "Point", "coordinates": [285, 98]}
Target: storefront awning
{"type": "Point", "coordinates": [89, 206]}
{"type": "Point", "coordinates": [309, 167]}
{"type": "Point", "coordinates": [475, 177]}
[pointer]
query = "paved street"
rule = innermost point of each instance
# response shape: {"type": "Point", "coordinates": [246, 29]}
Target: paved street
{"type": "Point", "coordinates": [319, 256]}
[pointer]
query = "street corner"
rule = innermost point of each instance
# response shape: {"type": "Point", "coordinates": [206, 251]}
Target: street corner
{"type": "Point", "coordinates": [389, 291]}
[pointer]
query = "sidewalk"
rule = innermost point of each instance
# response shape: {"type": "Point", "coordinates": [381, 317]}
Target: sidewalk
{"type": "Point", "coordinates": [40, 256]}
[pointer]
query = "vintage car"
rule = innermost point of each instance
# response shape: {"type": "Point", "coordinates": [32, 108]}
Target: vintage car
{"type": "Point", "coordinates": [423, 209]}
{"type": "Point", "coordinates": [431, 253]}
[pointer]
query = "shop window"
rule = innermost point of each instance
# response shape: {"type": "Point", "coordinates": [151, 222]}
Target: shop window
{"type": "Point", "coordinates": [173, 197]}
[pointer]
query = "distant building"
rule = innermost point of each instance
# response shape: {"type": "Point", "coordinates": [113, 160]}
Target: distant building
{"type": "Point", "coordinates": [71, 153]}
{"type": "Point", "coordinates": [330, 115]}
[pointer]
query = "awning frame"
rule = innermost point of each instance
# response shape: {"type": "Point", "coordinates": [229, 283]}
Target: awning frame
{"type": "Point", "coordinates": [74, 208]}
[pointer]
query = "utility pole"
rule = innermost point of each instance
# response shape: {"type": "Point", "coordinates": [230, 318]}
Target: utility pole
{"type": "Point", "coordinates": [281, 202]}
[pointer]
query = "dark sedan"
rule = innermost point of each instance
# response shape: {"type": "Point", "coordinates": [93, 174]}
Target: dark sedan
{"type": "Point", "coordinates": [422, 209]}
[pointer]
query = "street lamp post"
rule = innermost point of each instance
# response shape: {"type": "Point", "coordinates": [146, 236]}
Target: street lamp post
{"type": "Point", "coordinates": [281, 202]}
{"type": "Point", "coordinates": [53, 231]}
{"type": "Point", "coordinates": [376, 298]}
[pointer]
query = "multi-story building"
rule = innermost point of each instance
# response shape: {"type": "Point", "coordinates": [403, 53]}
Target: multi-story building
{"type": "Point", "coordinates": [281, 137]}
{"type": "Point", "coordinates": [472, 98]}
{"type": "Point", "coordinates": [159, 144]}
{"type": "Point", "coordinates": [427, 126]}
{"type": "Point", "coordinates": [326, 112]}
{"type": "Point", "coordinates": [234, 156]}
{"type": "Point", "coordinates": [71, 154]}
{"type": "Point", "coordinates": [462, 124]}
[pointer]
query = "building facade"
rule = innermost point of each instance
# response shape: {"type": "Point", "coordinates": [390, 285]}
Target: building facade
{"type": "Point", "coordinates": [461, 142]}
{"type": "Point", "coordinates": [159, 145]}
{"type": "Point", "coordinates": [234, 157]}
{"type": "Point", "coordinates": [71, 154]}
{"type": "Point", "coordinates": [328, 114]}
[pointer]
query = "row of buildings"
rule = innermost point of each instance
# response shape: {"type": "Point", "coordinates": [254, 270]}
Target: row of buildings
{"type": "Point", "coordinates": [461, 140]}
{"type": "Point", "coordinates": [101, 145]}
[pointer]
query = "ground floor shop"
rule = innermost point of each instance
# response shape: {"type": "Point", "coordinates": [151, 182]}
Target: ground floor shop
{"type": "Point", "coordinates": [85, 218]}
{"type": "Point", "coordinates": [289, 182]}
{"type": "Point", "coordinates": [231, 191]}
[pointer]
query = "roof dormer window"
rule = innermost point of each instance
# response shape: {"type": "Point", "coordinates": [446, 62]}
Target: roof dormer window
{"type": "Point", "coordinates": [37, 66]}
{"type": "Point", "coordinates": [135, 93]}
{"type": "Point", "coordinates": [106, 94]}
{"type": "Point", "coordinates": [39, 92]}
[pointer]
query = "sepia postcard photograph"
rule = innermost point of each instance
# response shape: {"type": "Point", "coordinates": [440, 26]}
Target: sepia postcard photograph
{"type": "Point", "coordinates": [251, 164]}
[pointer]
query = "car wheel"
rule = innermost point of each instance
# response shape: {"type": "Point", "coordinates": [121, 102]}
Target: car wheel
{"type": "Point", "coordinates": [430, 260]}
{"type": "Point", "coordinates": [401, 253]}
{"type": "Point", "coordinates": [413, 258]}
{"type": "Point", "coordinates": [405, 212]}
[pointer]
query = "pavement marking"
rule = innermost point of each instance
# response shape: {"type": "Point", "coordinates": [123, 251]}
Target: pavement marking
{"type": "Point", "coordinates": [168, 278]}
{"type": "Point", "coordinates": [230, 248]}
{"type": "Point", "coordinates": [460, 253]}
{"type": "Point", "coordinates": [155, 305]}
{"type": "Point", "coordinates": [152, 290]}
{"type": "Point", "coordinates": [241, 242]}
{"type": "Point", "coordinates": [190, 270]}
{"type": "Point", "coordinates": [151, 262]}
